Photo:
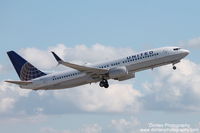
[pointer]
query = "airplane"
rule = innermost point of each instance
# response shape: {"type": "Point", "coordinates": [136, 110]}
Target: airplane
{"type": "Point", "coordinates": [120, 69]}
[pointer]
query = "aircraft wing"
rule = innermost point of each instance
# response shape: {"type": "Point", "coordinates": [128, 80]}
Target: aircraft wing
{"type": "Point", "coordinates": [79, 67]}
{"type": "Point", "coordinates": [19, 82]}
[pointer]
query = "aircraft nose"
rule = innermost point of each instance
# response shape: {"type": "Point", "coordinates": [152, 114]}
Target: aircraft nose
{"type": "Point", "coordinates": [186, 52]}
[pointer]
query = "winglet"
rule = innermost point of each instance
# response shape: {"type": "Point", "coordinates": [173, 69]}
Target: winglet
{"type": "Point", "coordinates": [59, 60]}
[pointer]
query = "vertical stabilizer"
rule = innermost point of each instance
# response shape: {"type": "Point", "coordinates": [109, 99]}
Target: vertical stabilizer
{"type": "Point", "coordinates": [24, 69]}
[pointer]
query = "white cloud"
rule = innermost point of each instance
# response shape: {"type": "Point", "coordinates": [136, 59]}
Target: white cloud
{"type": "Point", "coordinates": [193, 43]}
{"type": "Point", "coordinates": [92, 98]}
{"type": "Point", "coordinates": [117, 98]}
{"type": "Point", "coordinates": [11, 90]}
{"type": "Point", "coordinates": [84, 54]}
{"type": "Point", "coordinates": [88, 98]}
{"type": "Point", "coordinates": [174, 90]}
{"type": "Point", "coordinates": [124, 95]}
{"type": "Point", "coordinates": [166, 92]}
{"type": "Point", "coordinates": [114, 126]}
{"type": "Point", "coordinates": [124, 125]}
{"type": "Point", "coordinates": [39, 58]}
{"type": "Point", "coordinates": [60, 49]}
{"type": "Point", "coordinates": [9, 96]}
{"type": "Point", "coordinates": [92, 128]}
{"type": "Point", "coordinates": [170, 90]}
{"type": "Point", "coordinates": [6, 104]}
{"type": "Point", "coordinates": [79, 54]}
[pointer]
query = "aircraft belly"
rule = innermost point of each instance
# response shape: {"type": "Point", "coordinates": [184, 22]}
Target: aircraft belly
{"type": "Point", "coordinates": [69, 83]}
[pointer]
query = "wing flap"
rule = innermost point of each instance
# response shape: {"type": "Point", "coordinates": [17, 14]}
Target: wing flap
{"type": "Point", "coordinates": [19, 82]}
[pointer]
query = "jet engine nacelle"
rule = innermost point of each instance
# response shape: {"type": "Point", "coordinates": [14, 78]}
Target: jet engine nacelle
{"type": "Point", "coordinates": [118, 72]}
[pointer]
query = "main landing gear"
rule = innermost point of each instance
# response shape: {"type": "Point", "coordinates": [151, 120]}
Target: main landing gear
{"type": "Point", "coordinates": [174, 67]}
{"type": "Point", "coordinates": [104, 83]}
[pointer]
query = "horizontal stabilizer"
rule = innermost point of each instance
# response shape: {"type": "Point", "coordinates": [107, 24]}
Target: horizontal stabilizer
{"type": "Point", "coordinates": [19, 82]}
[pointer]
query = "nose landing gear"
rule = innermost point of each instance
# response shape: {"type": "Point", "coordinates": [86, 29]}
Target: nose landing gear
{"type": "Point", "coordinates": [104, 83]}
{"type": "Point", "coordinates": [173, 64]}
{"type": "Point", "coordinates": [174, 67]}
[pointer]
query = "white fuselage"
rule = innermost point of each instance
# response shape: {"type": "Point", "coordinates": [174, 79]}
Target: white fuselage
{"type": "Point", "coordinates": [134, 63]}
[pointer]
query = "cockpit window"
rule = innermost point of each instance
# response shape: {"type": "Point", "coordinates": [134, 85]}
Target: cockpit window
{"type": "Point", "coordinates": [175, 49]}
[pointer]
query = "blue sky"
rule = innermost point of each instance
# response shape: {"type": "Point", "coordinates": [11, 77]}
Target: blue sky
{"type": "Point", "coordinates": [89, 31]}
{"type": "Point", "coordinates": [129, 23]}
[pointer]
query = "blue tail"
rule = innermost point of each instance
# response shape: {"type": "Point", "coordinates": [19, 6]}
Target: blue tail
{"type": "Point", "coordinates": [24, 69]}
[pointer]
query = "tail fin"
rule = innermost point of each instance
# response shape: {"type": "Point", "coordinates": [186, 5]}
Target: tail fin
{"type": "Point", "coordinates": [24, 69]}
